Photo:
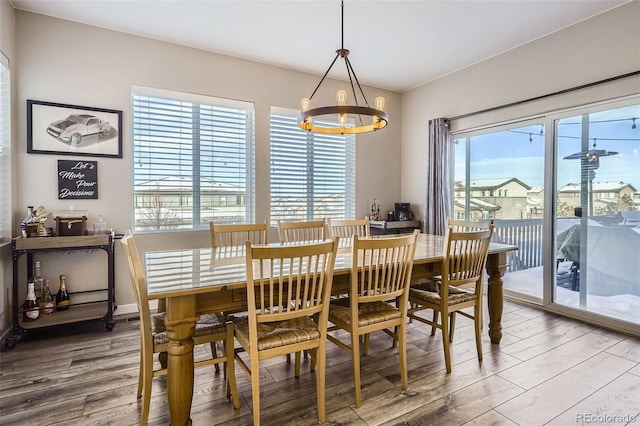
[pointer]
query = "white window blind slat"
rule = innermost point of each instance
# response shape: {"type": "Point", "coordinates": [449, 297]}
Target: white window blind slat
{"type": "Point", "coordinates": [193, 160]}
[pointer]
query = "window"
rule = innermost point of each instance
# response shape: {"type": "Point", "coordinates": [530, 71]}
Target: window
{"type": "Point", "coordinates": [189, 153]}
{"type": "Point", "coordinates": [312, 174]}
{"type": "Point", "coordinates": [510, 155]}
{"type": "Point", "coordinates": [5, 151]}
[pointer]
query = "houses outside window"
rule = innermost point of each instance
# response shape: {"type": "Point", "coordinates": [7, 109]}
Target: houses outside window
{"type": "Point", "coordinates": [312, 174]}
{"type": "Point", "coordinates": [192, 153]}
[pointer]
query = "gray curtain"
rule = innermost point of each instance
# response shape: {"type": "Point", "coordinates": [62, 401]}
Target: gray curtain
{"type": "Point", "coordinates": [438, 207]}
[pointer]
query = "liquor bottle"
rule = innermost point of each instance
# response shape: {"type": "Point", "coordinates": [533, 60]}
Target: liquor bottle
{"type": "Point", "coordinates": [62, 298]}
{"type": "Point", "coordinates": [29, 225]}
{"type": "Point", "coordinates": [30, 310]}
{"type": "Point", "coordinates": [46, 305]}
{"type": "Point", "coordinates": [38, 281]}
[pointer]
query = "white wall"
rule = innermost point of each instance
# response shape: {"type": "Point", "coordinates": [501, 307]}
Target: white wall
{"type": "Point", "coordinates": [71, 63]}
{"type": "Point", "coordinates": [598, 48]}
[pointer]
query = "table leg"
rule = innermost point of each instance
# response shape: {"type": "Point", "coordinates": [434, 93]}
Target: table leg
{"type": "Point", "coordinates": [496, 267]}
{"type": "Point", "coordinates": [181, 322]}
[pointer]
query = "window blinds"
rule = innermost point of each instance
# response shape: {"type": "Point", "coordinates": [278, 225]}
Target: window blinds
{"type": "Point", "coordinates": [312, 175]}
{"type": "Point", "coordinates": [193, 160]}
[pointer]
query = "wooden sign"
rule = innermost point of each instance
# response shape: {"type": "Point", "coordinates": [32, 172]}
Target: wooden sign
{"type": "Point", "coordinates": [77, 180]}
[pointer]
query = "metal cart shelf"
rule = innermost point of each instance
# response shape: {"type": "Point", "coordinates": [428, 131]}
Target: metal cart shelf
{"type": "Point", "coordinates": [99, 309]}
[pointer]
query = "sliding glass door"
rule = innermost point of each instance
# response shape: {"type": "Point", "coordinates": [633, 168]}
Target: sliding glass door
{"type": "Point", "coordinates": [499, 175]}
{"type": "Point", "coordinates": [597, 220]}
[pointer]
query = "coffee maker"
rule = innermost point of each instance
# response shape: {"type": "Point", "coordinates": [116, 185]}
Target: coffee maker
{"type": "Point", "coordinates": [403, 211]}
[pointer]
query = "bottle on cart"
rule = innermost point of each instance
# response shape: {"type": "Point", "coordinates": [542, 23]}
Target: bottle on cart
{"type": "Point", "coordinates": [30, 310]}
{"type": "Point", "coordinates": [29, 225]}
{"type": "Point", "coordinates": [46, 303]}
{"type": "Point", "coordinates": [62, 298]}
{"type": "Point", "coordinates": [38, 281]}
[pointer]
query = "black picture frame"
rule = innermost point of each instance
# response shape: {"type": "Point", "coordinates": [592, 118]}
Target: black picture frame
{"type": "Point", "coordinates": [62, 129]}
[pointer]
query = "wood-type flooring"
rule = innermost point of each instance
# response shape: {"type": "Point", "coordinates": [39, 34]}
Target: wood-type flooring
{"type": "Point", "coordinates": [547, 370]}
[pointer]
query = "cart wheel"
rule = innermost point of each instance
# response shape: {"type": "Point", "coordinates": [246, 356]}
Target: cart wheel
{"type": "Point", "coordinates": [9, 343]}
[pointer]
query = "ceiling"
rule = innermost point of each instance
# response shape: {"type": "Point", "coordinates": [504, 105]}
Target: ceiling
{"type": "Point", "coordinates": [395, 44]}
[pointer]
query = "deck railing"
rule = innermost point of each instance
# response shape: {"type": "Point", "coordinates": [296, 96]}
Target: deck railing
{"type": "Point", "coordinates": [524, 233]}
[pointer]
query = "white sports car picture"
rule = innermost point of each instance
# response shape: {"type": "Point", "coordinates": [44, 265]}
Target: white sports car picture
{"type": "Point", "coordinates": [73, 128]}
{"type": "Point", "coordinates": [63, 129]}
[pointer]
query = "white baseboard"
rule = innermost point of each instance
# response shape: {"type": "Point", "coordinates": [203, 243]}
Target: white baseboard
{"type": "Point", "coordinates": [132, 308]}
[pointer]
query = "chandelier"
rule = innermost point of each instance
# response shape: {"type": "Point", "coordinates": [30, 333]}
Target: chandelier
{"type": "Point", "coordinates": [352, 119]}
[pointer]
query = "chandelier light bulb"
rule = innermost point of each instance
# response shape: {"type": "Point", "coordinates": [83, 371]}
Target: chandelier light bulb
{"type": "Point", "coordinates": [379, 102]}
{"type": "Point", "coordinates": [341, 97]}
{"type": "Point", "coordinates": [305, 103]}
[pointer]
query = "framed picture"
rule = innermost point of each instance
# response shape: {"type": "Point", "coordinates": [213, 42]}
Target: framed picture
{"type": "Point", "coordinates": [77, 180]}
{"type": "Point", "coordinates": [73, 130]}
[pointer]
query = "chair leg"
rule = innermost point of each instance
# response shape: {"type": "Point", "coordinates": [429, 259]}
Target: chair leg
{"type": "Point", "coordinates": [452, 325]}
{"type": "Point", "coordinates": [313, 364]}
{"type": "Point", "coordinates": [445, 341]}
{"type": "Point", "coordinates": [402, 351]}
{"type": "Point", "coordinates": [477, 319]}
{"type": "Point", "coordinates": [289, 358]}
{"type": "Point", "coordinates": [140, 375]}
{"type": "Point", "coordinates": [365, 346]}
{"type": "Point", "coordinates": [297, 366]}
{"type": "Point", "coordinates": [319, 356]}
{"type": "Point", "coordinates": [214, 354]}
{"type": "Point", "coordinates": [355, 355]}
{"type": "Point", "coordinates": [395, 337]}
{"type": "Point", "coordinates": [435, 321]}
{"type": "Point", "coordinates": [230, 368]}
{"type": "Point", "coordinates": [146, 389]}
{"type": "Point", "coordinates": [163, 356]}
{"type": "Point", "coordinates": [255, 390]}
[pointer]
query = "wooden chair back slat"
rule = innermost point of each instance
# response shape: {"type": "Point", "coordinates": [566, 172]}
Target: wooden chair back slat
{"type": "Point", "coordinates": [347, 228]}
{"type": "Point", "coordinates": [302, 231]}
{"type": "Point", "coordinates": [229, 240]}
{"type": "Point", "coordinates": [383, 267]}
{"type": "Point", "coordinates": [289, 281]}
{"type": "Point", "coordinates": [465, 255]}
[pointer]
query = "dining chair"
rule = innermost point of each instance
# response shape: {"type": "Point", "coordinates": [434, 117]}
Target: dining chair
{"type": "Point", "coordinates": [460, 285]}
{"type": "Point", "coordinates": [291, 284]}
{"type": "Point", "coordinates": [288, 232]}
{"type": "Point", "coordinates": [347, 228]}
{"type": "Point", "coordinates": [234, 237]}
{"type": "Point", "coordinates": [209, 329]}
{"type": "Point", "coordinates": [314, 230]}
{"type": "Point", "coordinates": [380, 272]}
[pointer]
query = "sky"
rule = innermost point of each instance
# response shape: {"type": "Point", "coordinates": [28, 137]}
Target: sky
{"type": "Point", "coordinates": [519, 152]}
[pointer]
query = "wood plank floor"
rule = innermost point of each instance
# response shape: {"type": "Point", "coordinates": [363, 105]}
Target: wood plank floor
{"type": "Point", "coordinates": [547, 370]}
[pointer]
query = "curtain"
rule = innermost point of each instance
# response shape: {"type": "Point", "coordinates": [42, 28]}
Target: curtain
{"type": "Point", "coordinates": [438, 202]}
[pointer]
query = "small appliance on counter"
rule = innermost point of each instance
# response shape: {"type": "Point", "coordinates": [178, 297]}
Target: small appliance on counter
{"type": "Point", "coordinates": [403, 212]}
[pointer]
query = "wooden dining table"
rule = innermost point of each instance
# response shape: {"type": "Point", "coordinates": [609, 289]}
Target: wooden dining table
{"type": "Point", "coordinates": [191, 282]}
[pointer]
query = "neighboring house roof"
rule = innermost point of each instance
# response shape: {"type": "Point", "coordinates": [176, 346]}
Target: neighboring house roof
{"type": "Point", "coordinates": [535, 190]}
{"type": "Point", "coordinates": [598, 187]}
{"type": "Point", "coordinates": [490, 183]}
{"type": "Point", "coordinates": [532, 203]}
{"type": "Point", "coordinates": [476, 205]}
{"type": "Point", "coordinates": [177, 184]}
